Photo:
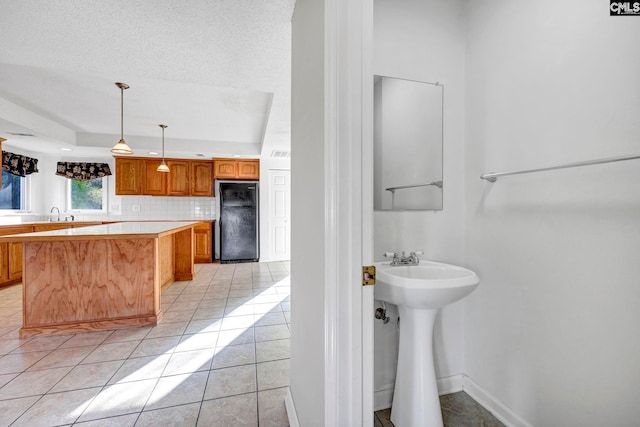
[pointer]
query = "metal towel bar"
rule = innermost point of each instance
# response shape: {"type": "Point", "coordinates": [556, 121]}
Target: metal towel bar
{"type": "Point", "coordinates": [434, 183]}
{"type": "Point", "coordinates": [493, 176]}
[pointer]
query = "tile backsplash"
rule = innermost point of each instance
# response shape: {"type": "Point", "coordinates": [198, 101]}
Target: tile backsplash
{"type": "Point", "coordinates": [146, 207]}
{"type": "Point", "coordinates": [132, 208]}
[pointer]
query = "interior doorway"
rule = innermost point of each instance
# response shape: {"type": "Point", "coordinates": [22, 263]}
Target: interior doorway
{"type": "Point", "coordinates": [279, 215]}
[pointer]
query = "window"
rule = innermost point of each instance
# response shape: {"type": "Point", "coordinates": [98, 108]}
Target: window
{"type": "Point", "coordinates": [87, 195]}
{"type": "Point", "coordinates": [13, 192]}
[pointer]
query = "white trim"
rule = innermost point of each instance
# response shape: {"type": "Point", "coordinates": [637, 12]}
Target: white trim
{"type": "Point", "coordinates": [383, 396]}
{"type": "Point", "coordinates": [452, 384]}
{"type": "Point", "coordinates": [292, 416]}
{"type": "Point", "coordinates": [343, 213]}
{"type": "Point", "coordinates": [491, 404]}
{"type": "Point", "coordinates": [105, 199]}
{"type": "Point", "coordinates": [331, 327]}
{"type": "Point", "coordinates": [25, 197]}
{"type": "Point", "coordinates": [368, 345]}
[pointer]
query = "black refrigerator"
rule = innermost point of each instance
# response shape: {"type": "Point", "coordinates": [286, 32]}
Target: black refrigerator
{"type": "Point", "coordinates": [239, 232]}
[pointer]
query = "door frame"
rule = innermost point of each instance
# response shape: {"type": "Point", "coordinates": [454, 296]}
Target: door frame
{"type": "Point", "coordinates": [349, 212]}
{"type": "Point", "coordinates": [270, 205]}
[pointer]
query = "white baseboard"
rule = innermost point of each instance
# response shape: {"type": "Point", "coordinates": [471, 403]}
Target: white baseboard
{"type": "Point", "coordinates": [291, 409]}
{"type": "Point", "coordinates": [383, 397]}
{"type": "Point", "coordinates": [452, 384]}
{"type": "Point", "coordinates": [491, 404]}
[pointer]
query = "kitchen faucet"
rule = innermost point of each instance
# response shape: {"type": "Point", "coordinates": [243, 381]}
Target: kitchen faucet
{"type": "Point", "coordinates": [51, 211]}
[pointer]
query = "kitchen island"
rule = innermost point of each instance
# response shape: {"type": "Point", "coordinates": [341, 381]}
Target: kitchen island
{"type": "Point", "coordinates": [101, 277]}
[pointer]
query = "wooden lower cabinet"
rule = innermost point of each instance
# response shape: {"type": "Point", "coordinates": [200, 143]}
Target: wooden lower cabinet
{"type": "Point", "coordinates": [4, 264]}
{"type": "Point", "coordinates": [11, 255]}
{"type": "Point", "coordinates": [203, 236]}
{"type": "Point", "coordinates": [15, 261]}
{"type": "Point", "coordinates": [50, 227]}
{"type": "Point", "coordinates": [11, 252]}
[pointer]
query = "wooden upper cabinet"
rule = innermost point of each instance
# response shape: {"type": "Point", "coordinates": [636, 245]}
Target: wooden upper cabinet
{"type": "Point", "coordinates": [138, 176]}
{"type": "Point", "coordinates": [128, 176]}
{"type": "Point", "coordinates": [226, 168]}
{"type": "Point", "coordinates": [248, 169]}
{"type": "Point", "coordinates": [178, 178]}
{"type": "Point", "coordinates": [154, 183]}
{"type": "Point", "coordinates": [237, 169]}
{"type": "Point", "coordinates": [202, 178]}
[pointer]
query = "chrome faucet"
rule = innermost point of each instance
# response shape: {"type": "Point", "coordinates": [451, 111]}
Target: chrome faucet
{"type": "Point", "coordinates": [51, 211]}
{"type": "Point", "coordinates": [412, 259]}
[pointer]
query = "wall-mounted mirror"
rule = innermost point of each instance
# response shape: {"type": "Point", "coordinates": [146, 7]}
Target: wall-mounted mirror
{"type": "Point", "coordinates": [408, 132]}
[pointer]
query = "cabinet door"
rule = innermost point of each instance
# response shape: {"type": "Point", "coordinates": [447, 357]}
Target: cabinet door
{"type": "Point", "coordinates": [203, 242]}
{"type": "Point", "coordinates": [15, 260]}
{"type": "Point", "coordinates": [178, 178]}
{"type": "Point", "coordinates": [248, 169]}
{"type": "Point", "coordinates": [202, 179]}
{"type": "Point", "coordinates": [4, 262]}
{"type": "Point", "coordinates": [128, 176]}
{"type": "Point", "coordinates": [154, 183]}
{"type": "Point", "coordinates": [226, 169]}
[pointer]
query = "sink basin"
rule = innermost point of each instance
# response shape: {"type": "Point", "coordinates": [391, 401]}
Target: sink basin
{"type": "Point", "coordinates": [427, 285]}
{"type": "Point", "coordinates": [419, 291]}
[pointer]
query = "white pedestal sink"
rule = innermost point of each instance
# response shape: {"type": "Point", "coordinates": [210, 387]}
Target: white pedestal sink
{"type": "Point", "coordinates": [419, 291]}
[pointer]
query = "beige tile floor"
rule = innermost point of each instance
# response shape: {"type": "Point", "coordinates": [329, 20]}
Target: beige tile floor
{"type": "Point", "coordinates": [219, 357]}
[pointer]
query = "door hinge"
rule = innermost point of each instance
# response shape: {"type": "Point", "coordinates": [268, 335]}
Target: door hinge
{"type": "Point", "coordinates": [368, 275]}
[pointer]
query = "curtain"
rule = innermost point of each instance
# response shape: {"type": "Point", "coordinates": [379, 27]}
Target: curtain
{"type": "Point", "coordinates": [83, 171]}
{"type": "Point", "coordinates": [19, 165]}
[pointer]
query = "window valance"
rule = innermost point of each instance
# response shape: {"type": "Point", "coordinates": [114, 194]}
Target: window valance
{"type": "Point", "coordinates": [83, 171]}
{"type": "Point", "coordinates": [19, 165]}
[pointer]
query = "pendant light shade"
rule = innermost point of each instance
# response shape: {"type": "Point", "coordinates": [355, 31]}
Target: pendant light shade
{"type": "Point", "coordinates": [121, 147]}
{"type": "Point", "coordinates": [163, 166]}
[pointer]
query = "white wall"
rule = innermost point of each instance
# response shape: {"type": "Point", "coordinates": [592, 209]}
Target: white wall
{"type": "Point", "coordinates": [424, 40]}
{"type": "Point", "coordinates": [552, 329]}
{"type": "Point", "coordinates": [307, 214]}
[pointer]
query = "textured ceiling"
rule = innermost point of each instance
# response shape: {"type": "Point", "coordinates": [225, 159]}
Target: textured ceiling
{"type": "Point", "coordinates": [216, 72]}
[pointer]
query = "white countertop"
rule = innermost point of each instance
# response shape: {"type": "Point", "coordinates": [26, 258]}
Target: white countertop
{"type": "Point", "coordinates": [106, 231]}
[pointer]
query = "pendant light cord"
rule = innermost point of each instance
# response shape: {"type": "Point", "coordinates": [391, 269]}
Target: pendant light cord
{"type": "Point", "coordinates": [122, 113]}
{"type": "Point", "coordinates": [163, 128]}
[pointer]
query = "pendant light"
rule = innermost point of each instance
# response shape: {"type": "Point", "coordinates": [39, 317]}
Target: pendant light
{"type": "Point", "coordinates": [121, 147]}
{"type": "Point", "coordinates": [163, 166]}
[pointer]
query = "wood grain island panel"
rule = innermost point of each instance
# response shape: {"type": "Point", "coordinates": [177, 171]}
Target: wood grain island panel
{"type": "Point", "coordinates": [101, 277]}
